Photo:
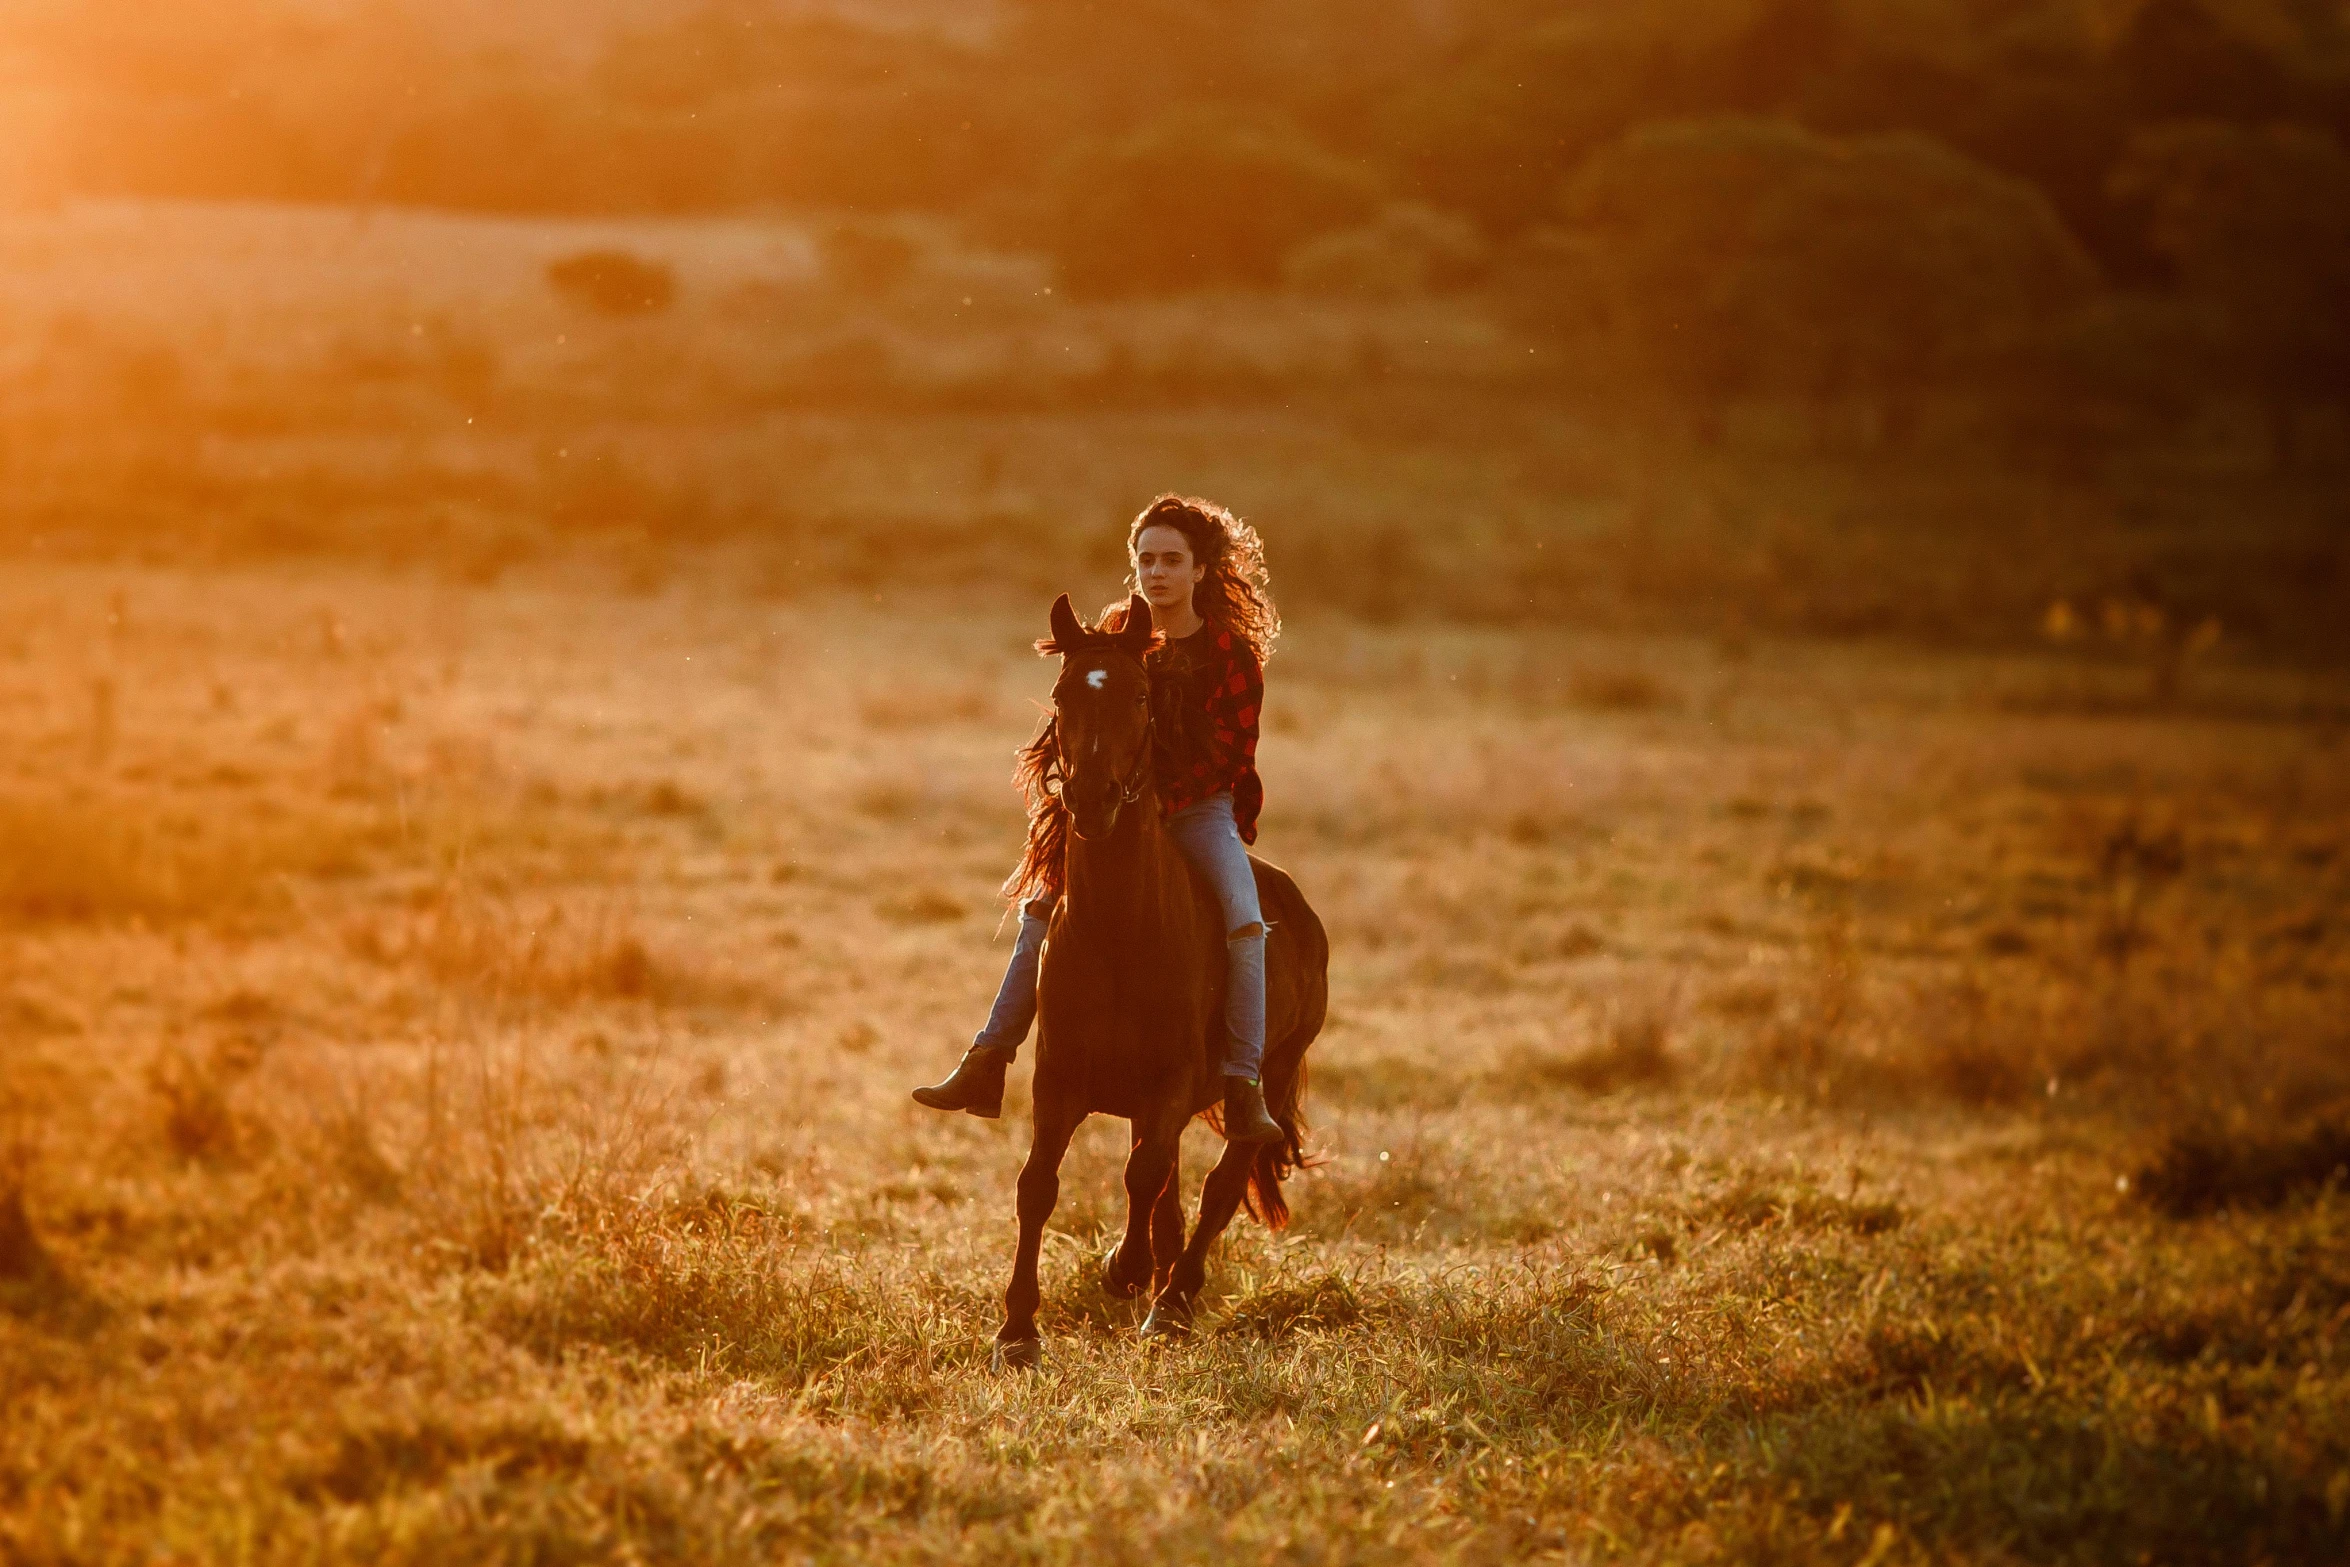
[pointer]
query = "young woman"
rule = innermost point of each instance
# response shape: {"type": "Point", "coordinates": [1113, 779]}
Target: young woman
{"type": "Point", "coordinates": [1202, 571]}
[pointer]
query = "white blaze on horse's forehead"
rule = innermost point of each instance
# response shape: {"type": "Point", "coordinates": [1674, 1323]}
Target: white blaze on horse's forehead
{"type": "Point", "coordinates": [1097, 678]}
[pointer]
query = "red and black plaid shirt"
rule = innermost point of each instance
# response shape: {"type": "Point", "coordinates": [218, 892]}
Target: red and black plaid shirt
{"type": "Point", "coordinates": [1210, 690]}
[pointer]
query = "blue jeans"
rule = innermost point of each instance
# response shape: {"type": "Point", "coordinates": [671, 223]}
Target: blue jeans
{"type": "Point", "coordinates": [1210, 840]}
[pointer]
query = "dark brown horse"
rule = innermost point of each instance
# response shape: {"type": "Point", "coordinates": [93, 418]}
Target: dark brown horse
{"type": "Point", "coordinates": [1131, 998]}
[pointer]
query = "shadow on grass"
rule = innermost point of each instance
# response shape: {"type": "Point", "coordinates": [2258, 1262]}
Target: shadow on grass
{"type": "Point", "coordinates": [2203, 1169]}
{"type": "Point", "coordinates": [2037, 1483]}
{"type": "Point", "coordinates": [743, 1301]}
{"type": "Point", "coordinates": [33, 1288]}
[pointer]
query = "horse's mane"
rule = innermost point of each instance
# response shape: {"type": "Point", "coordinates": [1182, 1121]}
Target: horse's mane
{"type": "Point", "coordinates": [1038, 776]}
{"type": "Point", "coordinates": [1045, 860]}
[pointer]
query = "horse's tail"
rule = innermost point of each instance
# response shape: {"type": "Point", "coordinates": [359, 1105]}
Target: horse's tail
{"type": "Point", "coordinates": [1285, 1063]}
{"type": "Point", "coordinates": [1275, 1161]}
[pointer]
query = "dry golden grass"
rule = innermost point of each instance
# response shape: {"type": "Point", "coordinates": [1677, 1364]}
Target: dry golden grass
{"type": "Point", "coordinates": [454, 1042]}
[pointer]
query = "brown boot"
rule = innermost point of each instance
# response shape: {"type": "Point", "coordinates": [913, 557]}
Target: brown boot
{"type": "Point", "coordinates": [975, 1086]}
{"type": "Point", "coordinates": [1245, 1120]}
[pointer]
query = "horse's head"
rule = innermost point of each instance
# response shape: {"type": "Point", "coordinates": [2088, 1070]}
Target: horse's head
{"type": "Point", "coordinates": [1101, 706]}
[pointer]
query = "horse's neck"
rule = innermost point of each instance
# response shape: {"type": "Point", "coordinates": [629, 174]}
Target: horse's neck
{"type": "Point", "coordinates": [1128, 886]}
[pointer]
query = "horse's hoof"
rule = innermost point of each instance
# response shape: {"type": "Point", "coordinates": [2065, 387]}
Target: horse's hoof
{"type": "Point", "coordinates": [1167, 1320]}
{"type": "Point", "coordinates": [1114, 1286]}
{"type": "Point", "coordinates": [1019, 1354]}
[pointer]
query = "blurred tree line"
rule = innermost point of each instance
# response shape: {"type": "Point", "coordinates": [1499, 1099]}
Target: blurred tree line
{"type": "Point", "coordinates": [2098, 209]}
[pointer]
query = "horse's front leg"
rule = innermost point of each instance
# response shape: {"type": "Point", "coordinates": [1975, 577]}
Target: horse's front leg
{"type": "Point", "coordinates": [1016, 1342]}
{"type": "Point", "coordinates": [1167, 1224]}
{"type": "Point", "coordinates": [1150, 1178]}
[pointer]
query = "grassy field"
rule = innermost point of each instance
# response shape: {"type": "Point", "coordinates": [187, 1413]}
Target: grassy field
{"type": "Point", "coordinates": [1783, 1100]}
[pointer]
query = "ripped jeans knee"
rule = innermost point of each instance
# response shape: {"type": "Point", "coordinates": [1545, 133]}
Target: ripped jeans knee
{"type": "Point", "coordinates": [1209, 837]}
{"type": "Point", "coordinates": [1244, 1001]}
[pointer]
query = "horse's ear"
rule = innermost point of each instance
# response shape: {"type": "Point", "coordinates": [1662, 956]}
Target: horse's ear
{"type": "Point", "coordinates": [1067, 633]}
{"type": "Point", "coordinates": [1137, 634]}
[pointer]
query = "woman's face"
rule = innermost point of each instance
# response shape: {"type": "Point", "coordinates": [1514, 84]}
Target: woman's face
{"type": "Point", "coordinates": [1164, 568]}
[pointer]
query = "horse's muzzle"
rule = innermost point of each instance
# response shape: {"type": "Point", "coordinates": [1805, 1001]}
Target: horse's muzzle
{"type": "Point", "coordinates": [1096, 819]}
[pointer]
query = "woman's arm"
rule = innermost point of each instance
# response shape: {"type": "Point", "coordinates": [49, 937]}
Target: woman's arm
{"type": "Point", "coordinates": [1233, 710]}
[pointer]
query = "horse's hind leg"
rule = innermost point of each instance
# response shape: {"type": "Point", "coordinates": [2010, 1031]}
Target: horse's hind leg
{"type": "Point", "coordinates": [1016, 1342]}
{"type": "Point", "coordinates": [1150, 1177]}
{"type": "Point", "coordinates": [1220, 1198]}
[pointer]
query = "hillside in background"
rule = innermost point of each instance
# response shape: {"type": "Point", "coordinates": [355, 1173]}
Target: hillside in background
{"type": "Point", "coordinates": [1246, 127]}
{"type": "Point", "coordinates": [1956, 256]}
{"type": "Point", "coordinates": [1479, 105]}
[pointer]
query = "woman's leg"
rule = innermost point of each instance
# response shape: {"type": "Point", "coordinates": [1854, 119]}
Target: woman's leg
{"type": "Point", "coordinates": [977, 1082]}
{"type": "Point", "coordinates": [1209, 839]}
{"type": "Point", "coordinates": [1009, 1020]}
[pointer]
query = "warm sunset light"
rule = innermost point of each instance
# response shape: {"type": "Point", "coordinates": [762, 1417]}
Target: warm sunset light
{"type": "Point", "coordinates": [1258, 781]}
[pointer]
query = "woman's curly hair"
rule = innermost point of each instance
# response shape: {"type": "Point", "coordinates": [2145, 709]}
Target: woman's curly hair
{"type": "Point", "coordinates": [1236, 593]}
